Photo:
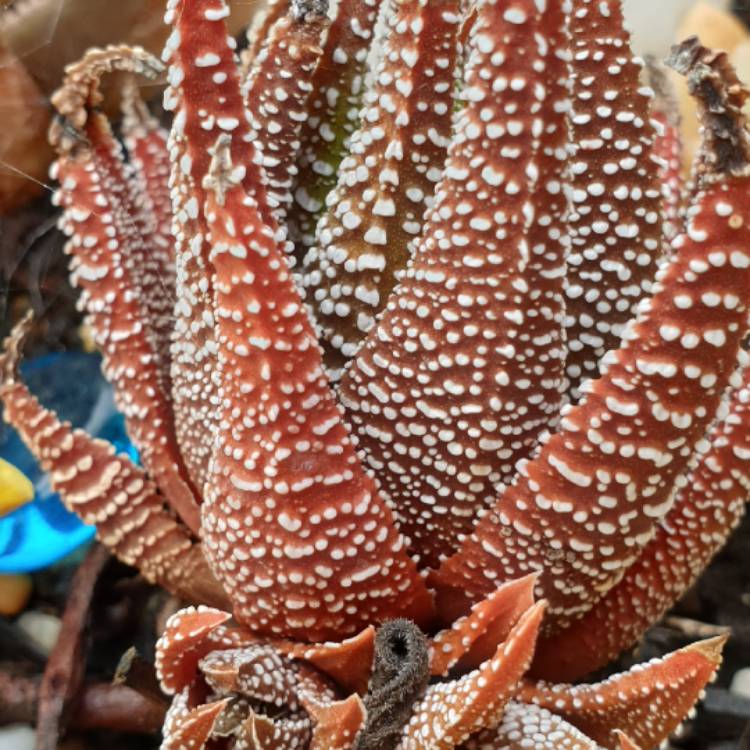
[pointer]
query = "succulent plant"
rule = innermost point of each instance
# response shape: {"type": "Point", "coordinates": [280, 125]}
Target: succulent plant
{"type": "Point", "coordinates": [431, 392]}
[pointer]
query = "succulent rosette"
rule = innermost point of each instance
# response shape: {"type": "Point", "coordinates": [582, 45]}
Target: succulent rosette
{"type": "Point", "coordinates": [435, 368]}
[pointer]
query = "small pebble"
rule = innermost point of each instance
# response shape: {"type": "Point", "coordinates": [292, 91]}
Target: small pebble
{"type": "Point", "coordinates": [41, 628]}
{"type": "Point", "coordinates": [17, 737]}
{"type": "Point", "coordinates": [15, 592]}
{"type": "Point", "coordinates": [740, 684]}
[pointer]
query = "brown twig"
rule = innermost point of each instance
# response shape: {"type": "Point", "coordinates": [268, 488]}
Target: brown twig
{"type": "Point", "coordinates": [120, 708]}
{"type": "Point", "coordinates": [695, 628]}
{"type": "Point", "coordinates": [99, 706]}
{"type": "Point", "coordinates": [63, 675]}
{"type": "Point", "coordinates": [138, 674]}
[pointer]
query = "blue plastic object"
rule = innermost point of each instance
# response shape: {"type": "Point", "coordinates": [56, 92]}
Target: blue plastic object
{"type": "Point", "coordinates": [41, 532]}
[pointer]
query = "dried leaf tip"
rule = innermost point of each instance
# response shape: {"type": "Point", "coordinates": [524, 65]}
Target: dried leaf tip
{"type": "Point", "coordinates": [713, 81]}
{"type": "Point", "coordinates": [136, 116]}
{"type": "Point", "coordinates": [303, 10]}
{"type": "Point", "coordinates": [80, 89]}
{"type": "Point", "coordinates": [710, 648]}
{"type": "Point", "coordinates": [400, 672]}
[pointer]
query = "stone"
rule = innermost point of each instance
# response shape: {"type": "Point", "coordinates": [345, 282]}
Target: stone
{"type": "Point", "coordinates": [41, 628]}
{"type": "Point", "coordinates": [740, 684]}
{"type": "Point", "coordinates": [17, 737]}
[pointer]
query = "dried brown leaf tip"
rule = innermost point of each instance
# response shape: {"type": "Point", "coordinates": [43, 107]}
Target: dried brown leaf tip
{"type": "Point", "coordinates": [400, 673]}
{"type": "Point", "coordinates": [721, 96]}
{"type": "Point", "coordinates": [380, 423]}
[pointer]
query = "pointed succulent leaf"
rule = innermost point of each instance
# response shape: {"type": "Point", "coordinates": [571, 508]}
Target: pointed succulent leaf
{"type": "Point", "coordinates": [204, 94]}
{"type": "Point", "coordinates": [707, 508]}
{"type": "Point", "coordinates": [387, 180]}
{"type": "Point", "coordinates": [667, 149]}
{"type": "Point", "coordinates": [336, 724]}
{"type": "Point", "coordinates": [107, 490]}
{"type": "Point", "coordinates": [277, 94]}
{"type": "Point", "coordinates": [472, 639]}
{"type": "Point", "coordinates": [258, 33]}
{"type": "Point", "coordinates": [348, 662]}
{"type": "Point", "coordinates": [113, 263]}
{"type": "Point", "coordinates": [146, 145]}
{"type": "Point", "coordinates": [647, 703]}
{"type": "Point", "coordinates": [183, 644]}
{"type": "Point", "coordinates": [283, 434]}
{"type": "Point", "coordinates": [450, 712]}
{"type": "Point", "coordinates": [616, 222]}
{"type": "Point", "coordinates": [192, 730]}
{"type": "Point", "coordinates": [473, 329]}
{"type": "Point", "coordinates": [337, 90]}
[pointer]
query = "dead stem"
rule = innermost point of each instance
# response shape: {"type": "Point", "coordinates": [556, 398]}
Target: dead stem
{"type": "Point", "coordinates": [63, 675]}
{"type": "Point", "coordinates": [721, 97]}
{"type": "Point", "coordinates": [400, 673]}
{"type": "Point", "coordinates": [99, 706]}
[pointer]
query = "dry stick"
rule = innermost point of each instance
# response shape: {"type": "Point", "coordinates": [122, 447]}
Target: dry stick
{"type": "Point", "coordinates": [120, 708]}
{"type": "Point", "coordinates": [63, 675]}
{"type": "Point", "coordinates": [695, 628]}
{"type": "Point", "coordinates": [100, 706]}
{"type": "Point", "coordinates": [135, 672]}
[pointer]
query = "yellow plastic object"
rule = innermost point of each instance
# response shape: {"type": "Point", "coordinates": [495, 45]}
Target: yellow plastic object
{"type": "Point", "coordinates": [87, 338]}
{"type": "Point", "coordinates": [15, 488]}
{"type": "Point", "coordinates": [15, 592]}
